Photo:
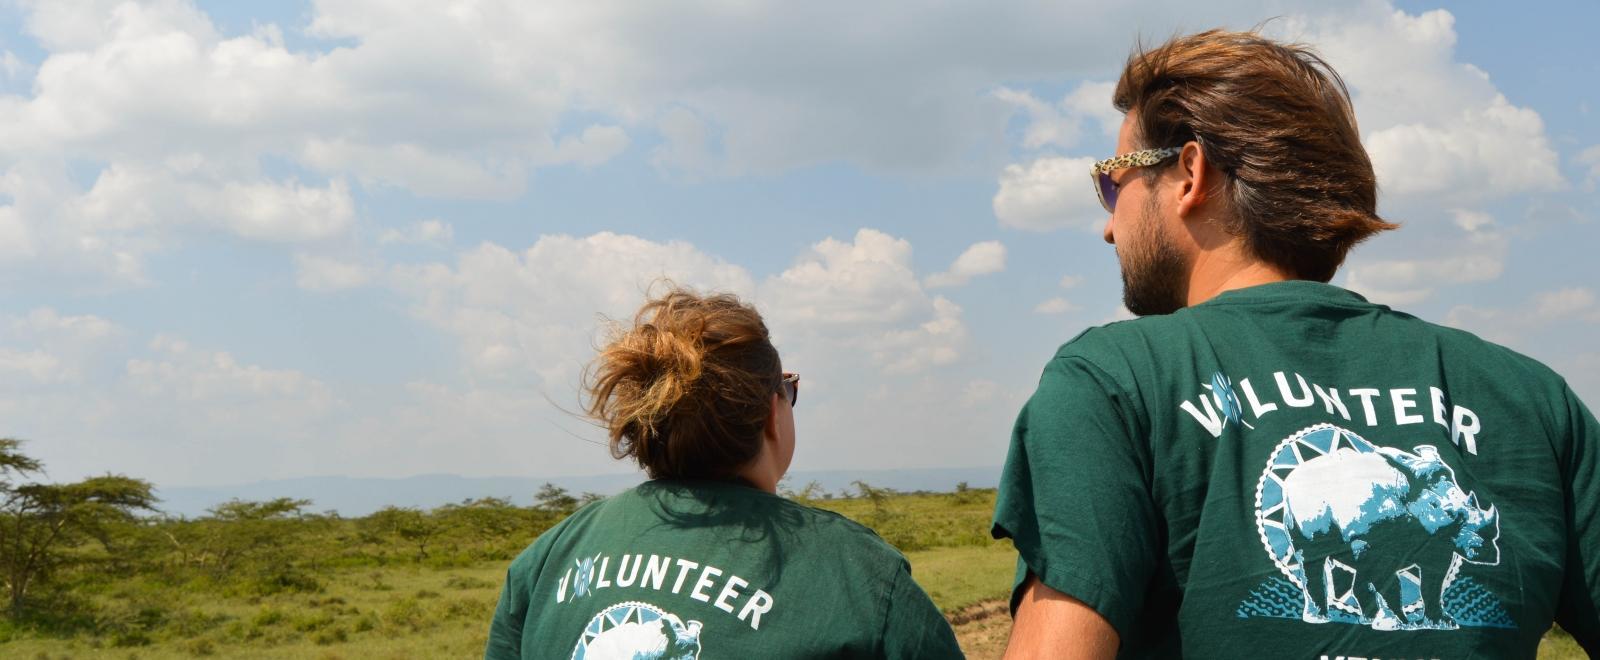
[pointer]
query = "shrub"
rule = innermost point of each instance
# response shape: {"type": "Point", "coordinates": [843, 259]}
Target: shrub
{"type": "Point", "coordinates": [202, 647]}
{"type": "Point", "coordinates": [269, 616]}
{"type": "Point", "coordinates": [313, 623]}
{"type": "Point", "coordinates": [335, 635]}
{"type": "Point", "coordinates": [467, 582]}
{"type": "Point", "coordinates": [405, 613]}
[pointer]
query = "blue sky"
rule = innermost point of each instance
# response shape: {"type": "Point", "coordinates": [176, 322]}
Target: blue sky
{"type": "Point", "coordinates": [243, 241]}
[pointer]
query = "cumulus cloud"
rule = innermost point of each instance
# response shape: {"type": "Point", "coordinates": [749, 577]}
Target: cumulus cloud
{"type": "Point", "coordinates": [1431, 123]}
{"type": "Point", "coordinates": [1475, 251]}
{"type": "Point", "coordinates": [427, 232]}
{"type": "Point", "coordinates": [861, 302]}
{"type": "Point", "coordinates": [181, 372]}
{"type": "Point", "coordinates": [1057, 305]}
{"type": "Point", "coordinates": [44, 347]}
{"type": "Point", "coordinates": [1049, 193]}
{"type": "Point", "coordinates": [1571, 305]}
{"type": "Point", "coordinates": [319, 273]}
{"type": "Point", "coordinates": [89, 399]}
{"type": "Point", "coordinates": [979, 259]}
{"type": "Point", "coordinates": [535, 311]}
{"type": "Point", "coordinates": [1590, 158]}
{"type": "Point", "coordinates": [1061, 124]}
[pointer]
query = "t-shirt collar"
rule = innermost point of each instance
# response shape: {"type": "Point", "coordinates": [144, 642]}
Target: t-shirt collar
{"type": "Point", "coordinates": [1290, 290]}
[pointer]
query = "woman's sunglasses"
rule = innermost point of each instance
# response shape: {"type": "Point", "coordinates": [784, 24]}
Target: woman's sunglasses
{"type": "Point", "coordinates": [791, 388]}
{"type": "Point", "coordinates": [1106, 188]}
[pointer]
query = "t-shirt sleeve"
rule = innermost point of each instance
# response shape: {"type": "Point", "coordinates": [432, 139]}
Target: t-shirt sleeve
{"type": "Point", "coordinates": [913, 627]}
{"type": "Point", "coordinates": [505, 630]}
{"type": "Point", "coordinates": [1074, 494]}
{"type": "Point", "coordinates": [1579, 610]}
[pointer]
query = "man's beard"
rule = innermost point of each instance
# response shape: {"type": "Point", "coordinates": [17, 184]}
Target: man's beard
{"type": "Point", "coordinates": [1155, 273]}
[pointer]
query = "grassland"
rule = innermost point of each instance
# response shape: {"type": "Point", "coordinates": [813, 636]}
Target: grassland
{"type": "Point", "coordinates": [410, 607]}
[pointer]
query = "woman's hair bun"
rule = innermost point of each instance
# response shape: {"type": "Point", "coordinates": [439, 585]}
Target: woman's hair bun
{"type": "Point", "coordinates": [686, 388]}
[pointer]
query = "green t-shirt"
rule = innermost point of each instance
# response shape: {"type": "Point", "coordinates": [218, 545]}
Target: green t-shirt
{"type": "Point", "coordinates": [1291, 471]}
{"type": "Point", "coordinates": [697, 569]}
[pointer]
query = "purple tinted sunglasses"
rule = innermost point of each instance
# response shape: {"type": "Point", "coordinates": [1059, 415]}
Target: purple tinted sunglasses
{"type": "Point", "coordinates": [1101, 172]}
{"type": "Point", "coordinates": [791, 388]}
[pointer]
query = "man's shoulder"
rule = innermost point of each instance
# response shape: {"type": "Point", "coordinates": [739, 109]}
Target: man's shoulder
{"type": "Point", "coordinates": [1488, 355]}
{"type": "Point", "coordinates": [1116, 346]}
{"type": "Point", "coordinates": [1119, 341]}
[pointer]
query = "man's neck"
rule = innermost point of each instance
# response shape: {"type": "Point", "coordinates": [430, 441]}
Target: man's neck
{"type": "Point", "coordinates": [1217, 272]}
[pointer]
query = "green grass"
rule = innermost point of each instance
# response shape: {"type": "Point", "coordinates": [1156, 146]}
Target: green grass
{"type": "Point", "coordinates": [959, 577]}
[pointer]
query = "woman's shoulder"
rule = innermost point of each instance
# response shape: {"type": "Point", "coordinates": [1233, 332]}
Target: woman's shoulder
{"type": "Point", "coordinates": [835, 531]}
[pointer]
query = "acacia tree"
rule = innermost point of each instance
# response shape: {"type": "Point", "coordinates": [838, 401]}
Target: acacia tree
{"type": "Point", "coordinates": [39, 522]}
{"type": "Point", "coordinates": [555, 499]}
{"type": "Point", "coordinates": [408, 523]}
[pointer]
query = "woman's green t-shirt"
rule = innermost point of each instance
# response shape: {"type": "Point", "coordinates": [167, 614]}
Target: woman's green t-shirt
{"type": "Point", "coordinates": [700, 569]}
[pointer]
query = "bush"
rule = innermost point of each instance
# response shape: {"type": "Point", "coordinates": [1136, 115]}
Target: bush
{"type": "Point", "coordinates": [313, 623]}
{"type": "Point", "coordinates": [269, 616]}
{"type": "Point", "coordinates": [128, 638]}
{"type": "Point", "coordinates": [468, 582]}
{"type": "Point", "coordinates": [335, 635]}
{"type": "Point", "coordinates": [407, 614]}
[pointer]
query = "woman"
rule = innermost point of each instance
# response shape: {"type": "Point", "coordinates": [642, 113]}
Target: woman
{"type": "Point", "coordinates": [705, 560]}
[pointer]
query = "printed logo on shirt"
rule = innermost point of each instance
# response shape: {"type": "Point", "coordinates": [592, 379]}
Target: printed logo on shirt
{"type": "Point", "coordinates": [638, 631]}
{"type": "Point", "coordinates": [1373, 535]}
{"type": "Point", "coordinates": [699, 581]}
{"type": "Point", "coordinates": [1220, 404]}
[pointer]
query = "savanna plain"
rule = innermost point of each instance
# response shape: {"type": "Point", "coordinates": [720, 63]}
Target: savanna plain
{"type": "Point", "coordinates": [104, 575]}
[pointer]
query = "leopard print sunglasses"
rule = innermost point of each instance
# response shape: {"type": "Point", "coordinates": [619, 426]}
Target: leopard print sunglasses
{"type": "Point", "coordinates": [1101, 172]}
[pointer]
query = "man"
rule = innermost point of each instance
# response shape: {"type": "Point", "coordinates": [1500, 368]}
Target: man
{"type": "Point", "coordinates": [1265, 465]}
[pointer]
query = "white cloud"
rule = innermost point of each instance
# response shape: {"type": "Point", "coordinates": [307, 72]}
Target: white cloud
{"type": "Point", "coordinates": [469, 101]}
{"type": "Point", "coordinates": [1474, 252]}
{"type": "Point", "coordinates": [1055, 305]}
{"type": "Point", "coordinates": [979, 259]}
{"type": "Point", "coordinates": [1590, 158]}
{"type": "Point", "coordinates": [318, 273]}
{"type": "Point", "coordinates": [1479, 153]}
{"type": "Point", "coordinates": [1092, 101]}
{"type": "Point", "coordinates": [536, 311]}
{"type": "Point", "coordinates": [1050, 193]}
{"type": "Point", "coordinates": [1060, 124]}
{"type": "Point", "coordinates": [1433, 125]}
{"type": "Point", "coordinates": [1515, 325]}
{"type": "Point", "coordinates": [51, 348]}
{"type": "Point", "coordinates": [685, 142]}
{"type": "Point", "coordinates": [426, 232]}
{"type": "Point", "coordinates": [848, 304]}
{"type": "Point", "coordinates": [184, 374]}
{"type": "Point", "coordinates": [162, 410]}
{"type": "Point", "coordinates": [1070, 281]}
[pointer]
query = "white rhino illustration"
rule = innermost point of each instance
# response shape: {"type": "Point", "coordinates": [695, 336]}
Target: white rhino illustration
{"type": "Point", "coordinates": [667, 638]}
{"type": "Point", "coordinates": [1381, 512]}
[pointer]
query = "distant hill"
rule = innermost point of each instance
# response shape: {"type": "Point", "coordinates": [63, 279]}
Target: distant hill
{"type": "Point", "coordinates": [359, 496]}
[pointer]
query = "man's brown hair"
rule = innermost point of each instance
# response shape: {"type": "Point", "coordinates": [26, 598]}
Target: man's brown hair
{"type": "Point", "coordinates": [686, 388]}
{"type": "Point", "coordinates": [1278, 121]}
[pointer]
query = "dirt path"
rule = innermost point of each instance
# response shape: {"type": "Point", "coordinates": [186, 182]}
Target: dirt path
{"type": "Point", "coordinates": [982, 629]}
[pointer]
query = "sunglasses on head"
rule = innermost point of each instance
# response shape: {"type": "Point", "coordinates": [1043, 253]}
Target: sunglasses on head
{"type": "Point", "coordinates": [1106, 188]}
{"type": "Point", "coordinates": [791, 388]}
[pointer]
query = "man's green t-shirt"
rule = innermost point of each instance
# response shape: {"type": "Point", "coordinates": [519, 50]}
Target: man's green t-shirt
{"type": "Point", "coordinates": [696, 569]}
{"type": "Point", "coordinates": [1291, 471]}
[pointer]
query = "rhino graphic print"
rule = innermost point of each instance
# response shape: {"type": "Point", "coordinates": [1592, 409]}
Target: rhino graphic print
{"type": "Point", "coordinates": [1373, 535]}
{"type": "Point", "coordinates": [638, 631]}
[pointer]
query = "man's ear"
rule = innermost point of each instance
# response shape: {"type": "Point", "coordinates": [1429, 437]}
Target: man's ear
{"type": "Point", "coordinates": [1198, 177]}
